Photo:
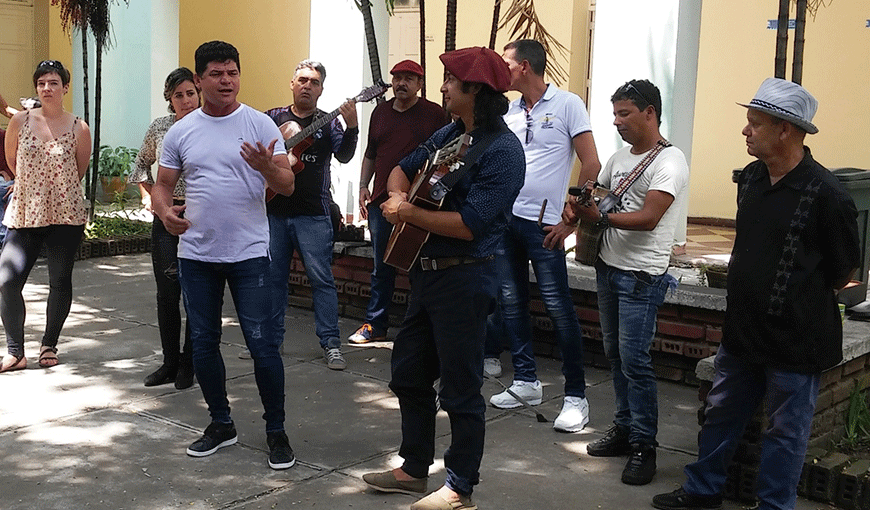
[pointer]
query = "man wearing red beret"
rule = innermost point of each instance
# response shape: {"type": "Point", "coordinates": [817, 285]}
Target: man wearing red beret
{"type": "Point", "coordinates": [396, 128]}
{"type": "Point", "coordinates": [454, 282]}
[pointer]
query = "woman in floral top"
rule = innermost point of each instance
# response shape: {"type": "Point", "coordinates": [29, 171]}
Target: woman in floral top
{"type": "Point", "coordinates": [47, 149]}
{"type": "Point", "coordinates": [177, 362]}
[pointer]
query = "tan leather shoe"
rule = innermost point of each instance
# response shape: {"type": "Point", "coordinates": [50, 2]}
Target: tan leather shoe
{"type": "Point", "coordinates": [387, 482]}
{"type": "Point", "coordinates": [435, 501]}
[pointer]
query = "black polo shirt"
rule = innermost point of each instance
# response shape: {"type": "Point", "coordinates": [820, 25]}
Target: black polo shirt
{"type": "Point", "coordinates": [795, 239]}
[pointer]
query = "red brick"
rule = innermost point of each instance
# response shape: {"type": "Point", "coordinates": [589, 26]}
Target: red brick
{"type": "Point", "coordinates": [714, 334]}
{"type": "Point", "coordinates": [362, 276]}
{"type": "Point", "coordinates": [402, 281]}
{"type": "Point", "coordinates": [365, 291]}
{"type": "Point", "coordinates": [714, 317]}
{"type": "Point", "coordinates": [305, 282]}
{"type": "Point", "coordinates": [672, 346]}
{"type": "Point", "coordinates": [852, 366]}
{"type": "Point", "coordinates": [824, 400]}
{"type": "Point", "coordinates": [830, 376]}
{"type": "Point", "coordinates": [680, 329]}
{"type": "Point", "coordinates": [656, 344]}
{"type": "Point", "coordinates": [342, 273]}
{"type": "Point", "coordinates": [669, 311]}
{"type": "Point", "coordinates": [587, 314]}
{"type": "Point", "coordinates": [339, 286]}
{"type": "Point", "coordinates": [399, 297]}
{"type": "Point", "coordinates": [295, 279]}
{"type": "Point", "coordinates": [543, 323]}
{"type": "Point", "coordinates": [351, 288]}
{"type": "Point", "coordinates": [536, 306]}
{"type": "Point", "coordinates": [698, 351]}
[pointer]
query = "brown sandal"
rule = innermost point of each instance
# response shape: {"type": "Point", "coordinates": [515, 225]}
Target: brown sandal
{"type": "Point", "coordinates": [20, 363]}
{"type": "Point", "coordinates": [48, 356]}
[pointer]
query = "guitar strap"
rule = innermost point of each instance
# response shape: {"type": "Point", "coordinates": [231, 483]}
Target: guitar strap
{"type": "Point", "coordinates": [647, 160]}
{"type": "Point", "coordinates": [446, 183]}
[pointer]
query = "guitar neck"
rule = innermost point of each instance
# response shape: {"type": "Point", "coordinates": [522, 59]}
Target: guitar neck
{"type": "Point", "coordinates": [316, 124]}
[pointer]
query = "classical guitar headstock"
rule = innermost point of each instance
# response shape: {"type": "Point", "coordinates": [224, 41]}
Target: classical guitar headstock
{"type": "Point", "coordinates": [453, 152]}
{"type": "Point", "coordinates": [369, 93]}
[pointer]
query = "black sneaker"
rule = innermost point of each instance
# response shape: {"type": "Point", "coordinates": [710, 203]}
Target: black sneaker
{"type": "Point", "coordinates": [280, 454]}
{"type": "Point", "coordinates": [682, 500]}
{"type": "Point", "coordinates": [216, 435]}
{"type": "Point", "coordinates": [163, 375]}
{"type": "Point", "coordinates": [613, 444]}
{"type": "Point", "coordinates": [641, 465]}
{"type": "Point", "coordinates": [184, 377]}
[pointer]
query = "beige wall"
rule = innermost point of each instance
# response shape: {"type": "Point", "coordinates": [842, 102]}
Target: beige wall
{"type": "Point", "coordinates": [736, 55]}
{"type": "Point", "coordinates": [271, 38]}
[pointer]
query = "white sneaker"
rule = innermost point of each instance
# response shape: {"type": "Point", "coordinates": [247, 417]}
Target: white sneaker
{"type": "Point", "coordinates": [574, 415]}
{"type": "Point", "coordinates": [492, 367]}
{"type": "Point", "coordinates": [532, 393]}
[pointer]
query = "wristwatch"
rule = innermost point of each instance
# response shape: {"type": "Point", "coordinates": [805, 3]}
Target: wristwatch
{"type": "Point", "coordinates": [603, 222]}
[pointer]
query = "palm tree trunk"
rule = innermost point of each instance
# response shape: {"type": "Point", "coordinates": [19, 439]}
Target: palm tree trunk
{"type": "Point", "coordinates": [423, 45]}
{"type": "Point", "coordinates": [97, 110]}
{"type": "Point", "coordinates": [84, 30]}
{"type": "Point", "coordinates": [365, 7]}
{"type": "Point", "coordinates": [797, 63]}
{"type": "Point", "coordinates": [496, 8]}
{"type": "Point", "coordinates": [781, 40]}
{"type": "Point", "coordinates": [450, 34]}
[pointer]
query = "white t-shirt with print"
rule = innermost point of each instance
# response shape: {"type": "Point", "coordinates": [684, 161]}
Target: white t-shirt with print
{"type": "Point", "coordinates": [649, 251]}
{"type": "Point", "coordinates": [225, 198]}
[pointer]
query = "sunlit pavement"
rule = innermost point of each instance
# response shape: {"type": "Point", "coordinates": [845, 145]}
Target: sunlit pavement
{"type": "Point", "coordinates": [88, 434]}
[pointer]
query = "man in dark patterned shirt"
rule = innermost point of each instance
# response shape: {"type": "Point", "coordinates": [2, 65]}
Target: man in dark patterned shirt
{"type": "Point", "coordinates": [302, 221]}
{"type": "Point", "coordinates": [453, 285]}
{"type": "Point", "coordinates": [796, 246]}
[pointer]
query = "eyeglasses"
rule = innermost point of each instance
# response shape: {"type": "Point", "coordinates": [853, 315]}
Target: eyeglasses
{"type": "Point", "coordinates": [530, 135]}
{"type": "Point", "coordinates": [51, 63]}
{"type": "Point", "coordinates": [630, 86]}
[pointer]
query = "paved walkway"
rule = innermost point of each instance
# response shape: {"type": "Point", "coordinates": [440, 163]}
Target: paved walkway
{"type": "Point", "coordinates": [87, 434]}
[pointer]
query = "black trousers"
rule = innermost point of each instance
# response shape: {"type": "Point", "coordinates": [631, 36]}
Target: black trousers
{"type": "Point", "coordinates": [164, 259]}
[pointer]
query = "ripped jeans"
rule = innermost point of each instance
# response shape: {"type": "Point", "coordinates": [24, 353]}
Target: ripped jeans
{"type": "Point", "coordinates": [164, 258]}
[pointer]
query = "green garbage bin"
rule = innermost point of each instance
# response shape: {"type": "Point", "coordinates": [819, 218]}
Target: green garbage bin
{"type": "Point", "coordinates": [857, 183]}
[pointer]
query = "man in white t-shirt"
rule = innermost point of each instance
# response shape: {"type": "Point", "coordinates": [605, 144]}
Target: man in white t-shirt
{"type": "Point", "coordinates": [552, 126]}
{"type": "Point", "coordinates": [227, 153]}
{"type": "Point", "coordinates": [632, 271]}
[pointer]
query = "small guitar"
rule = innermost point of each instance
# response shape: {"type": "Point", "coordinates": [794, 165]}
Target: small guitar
{"type": "Point", "coordinates": [589, 237]}
{"type": "Point", "coordinates": [301, 139]}
{"type": "Point", "coordinates": [407, 240]}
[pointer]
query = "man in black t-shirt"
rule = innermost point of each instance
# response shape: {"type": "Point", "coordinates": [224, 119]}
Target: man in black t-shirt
{"type": "Point", "coordinates": [302, 221]}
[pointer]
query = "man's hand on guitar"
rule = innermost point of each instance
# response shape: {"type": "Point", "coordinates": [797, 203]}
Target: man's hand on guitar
{"type": "Point", "coordinates": [582, 207]}
{"type": "Point", "coordinates": [348, 113]}
{"type": "Point", "coordinates": [365, 196]}
{"type": "Point", "coordinates": [390, 208]}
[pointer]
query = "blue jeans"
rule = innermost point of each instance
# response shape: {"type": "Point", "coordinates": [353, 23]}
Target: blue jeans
{"type": "Point", "coordinates": [311, 236]}
{"type": "Point", "coordinates": [383, 275]}
{"type": "Point", "coordinates": [442, 336]}
{"type": "Point", "coordinates": [523, 242]}
{"type": "Point", "coordinates": [738, 389]}
{"type": "Point", "coordinates": [202, 284]}
{"type": "Point", "coordinates": [628, 302]}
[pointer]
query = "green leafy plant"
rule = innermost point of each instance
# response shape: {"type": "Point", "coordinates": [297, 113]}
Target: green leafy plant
{"type": "Point", "coordinates": [115, 226]}
{"type": "Point", "coordinates": [857, 419]}
{"type": "Point", "coordinates": [117, 161]}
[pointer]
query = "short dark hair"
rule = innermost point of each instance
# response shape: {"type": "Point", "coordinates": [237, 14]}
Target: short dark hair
{"type": "Point", "coordinates": [642, 93]}
{"type": "Point", "coordinates": [215, 51]}
{"type": "Point", "coordinates": [531, 51]}
{"type": "Point", "coordinates": [176, 78]}
{"type": "Point", "coordinates": [51, 66]}
{"type": "Point", "coordinates": [312, 64]}
{"type": "Point", "coordinates": [489, 106]}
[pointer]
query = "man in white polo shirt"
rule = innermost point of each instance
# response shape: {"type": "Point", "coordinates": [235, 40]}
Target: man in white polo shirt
{"type": "Point", "coordinates": [552, 126]}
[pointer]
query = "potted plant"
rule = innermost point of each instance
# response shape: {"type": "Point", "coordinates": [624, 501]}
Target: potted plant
{"type": "Point", "coordinates": [715, 275]}
{"type": "Point", "coordinates": [115, 165]}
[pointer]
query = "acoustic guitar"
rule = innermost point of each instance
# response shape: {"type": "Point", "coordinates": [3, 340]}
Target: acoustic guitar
{"type": "Point", "coordinates": [407, 240]}
{"type": "Point", "coordinates": [301, 139]}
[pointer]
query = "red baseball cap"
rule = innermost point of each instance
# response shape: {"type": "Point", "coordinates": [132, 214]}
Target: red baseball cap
{"type": "Point", "coordinates": [407, 66]}
{"type": "Point", "coordinates": [478, 65]}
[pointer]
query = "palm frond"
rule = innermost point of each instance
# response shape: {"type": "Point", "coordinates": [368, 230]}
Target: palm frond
{"type": "Point", "coordinates": [526, 25]}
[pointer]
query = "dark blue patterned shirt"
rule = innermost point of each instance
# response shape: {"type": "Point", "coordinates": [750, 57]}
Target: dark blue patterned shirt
{"type": "Point", "coordinates": [483, 197]}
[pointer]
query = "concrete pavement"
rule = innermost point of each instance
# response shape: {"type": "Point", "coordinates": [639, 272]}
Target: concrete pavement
{"type": "Point", "coordinates": [88, 434]}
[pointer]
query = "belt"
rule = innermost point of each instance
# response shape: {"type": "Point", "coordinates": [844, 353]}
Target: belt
{"type": "Point", "coordinates": [436, 264]}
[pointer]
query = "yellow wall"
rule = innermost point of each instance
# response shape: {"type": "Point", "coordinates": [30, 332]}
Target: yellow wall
{"type": "Point", "coordinates": [272, 37]}
{"type": "Point", "coordinates": [736, 55]}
